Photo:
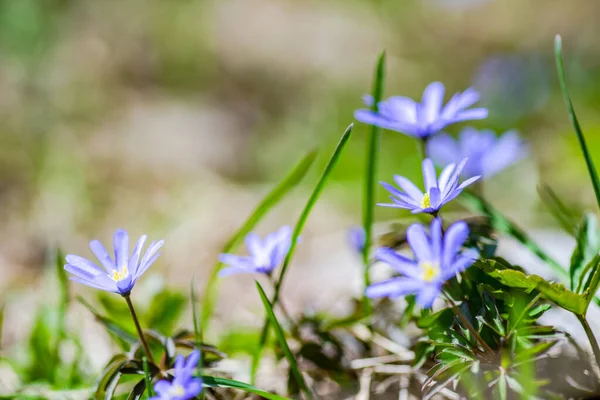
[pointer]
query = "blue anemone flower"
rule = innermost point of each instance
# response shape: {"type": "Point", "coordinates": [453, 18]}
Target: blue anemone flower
{"type": "Point", "coordinates": [437, 191]}
{"type": "Point", "coordinates": [488, 154]}
{"type": "Point", "coordinates": [184, 385]}
{"type": "Point", "coordinates": [437, 259]}
{"type": "Point", "coordinates": [265, 255]}
{"type": "Point", "coordinates": [120, 275]}
{"type": "Point", "coordinates": [424, 119]}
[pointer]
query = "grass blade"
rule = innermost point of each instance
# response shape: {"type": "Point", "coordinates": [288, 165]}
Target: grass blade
{"type": "Point", "coordinates": [502, 224]}
{"type": "Point", "coordinates": [274, 197]}
{"type": "Point", "coordinates": [297, 230]}
{"type": "Point", "coordinates": [283, 343]}
{"type": "Point", "coordinates": [214, 381]}
{"type": "Point", "coordinates": [567, 98]}
{"type": "Point", "coordinates": [370, 175]}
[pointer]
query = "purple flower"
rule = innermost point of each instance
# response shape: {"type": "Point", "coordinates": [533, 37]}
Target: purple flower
{"type": "Point", "coordinates": [488, 154]}
{"type": "Point", "coordinates": [437, 192]}
{"type": "Point", "coordinates": [438, 259]}
{"type": "Point", "coordinates": [424, 119]}
{"type": "Point", "coordinates": [357, 238]}
{"type": "Point", "coordinates": [184, 385]}
{"type": "Point", "coordinates": [265, 255]}
{"type": "Point", "coordinates": [120, 275]}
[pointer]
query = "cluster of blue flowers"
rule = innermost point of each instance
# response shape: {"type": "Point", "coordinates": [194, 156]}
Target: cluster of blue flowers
{"type": "Point", "coordinates": [438, 255]}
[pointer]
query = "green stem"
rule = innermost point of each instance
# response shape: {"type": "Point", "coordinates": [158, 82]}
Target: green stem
{"type": "Point", "coordinates": [282, 307]}
{"type": "Point", "coordinates": [592, 339]}
{"type": "Point", "coordinates": [139, 329]}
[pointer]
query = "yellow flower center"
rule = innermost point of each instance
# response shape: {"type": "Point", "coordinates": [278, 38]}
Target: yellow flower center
{"type": "Point", "coordinates": [429, 270]}
{"type": "Point", "coordinates": [119, 275]}
{"type": "Point", "coordinates": [426, 201]}
{"type": "Point", "coordinates": [177, 390]}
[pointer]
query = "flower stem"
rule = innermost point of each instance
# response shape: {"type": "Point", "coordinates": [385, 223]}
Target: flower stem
{"type": "Point", "coordinates": [139, 329]}
{"type": "Point", "coordinates": [456, 309]}
{"type": "Point", "coordinates": [593, 341]}
{"type": "Point", "coordinates": [282, 307]}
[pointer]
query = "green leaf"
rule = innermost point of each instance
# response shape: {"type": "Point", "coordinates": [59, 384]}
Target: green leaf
{"type": "Point", "coordinates": [41, 346]}
{"type": "Point", "coordinates": [297, 231]}
{"type": "Point", "coordinates": [124, 338]}
{"type": "Point", "coordinates": [591, 285]}
{"type": "Point", "coordinates": [502, 224]}
{"type": "Point", "coordinates": [283, 343]}
{"type": "Point", "coordinates": [63, 290]}
{"type": "Point", "coordinates": [197, 333]}
{"type": "Point", "coordinates": [371, 173]}
{"type": "Point", "coordinates": [213, 381]}
{"type": "Point", "coordinates": [164, 311]}
{"type": "Point", "coordinates": [270, 201]}
{"type": "Point", "coordinates": [567, 98]}
{"type": "Point", "coordinates": [107, 383]}
{"type": "Point", "coordinates": [138, 390]}
{"type": "Point", "coordinates": [552, 291]}
{"type": "Point", "coordinates": [533, 352]}
{"type": "Point", "coordinates": [588, 244]}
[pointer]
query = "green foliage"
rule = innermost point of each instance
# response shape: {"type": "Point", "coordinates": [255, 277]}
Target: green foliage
{"type": "Point", "coordinates": [554, 292]}
{"type": "Point", "coordinates": [214, 381]}
{"type": "Point", "coordinates": [271, 200]}
{"type": "Point", "coordinates": [567, 98]}
{"type": "Point", "coordinates": [280, 335]}
{"type": "Point", "coordinates": [588, 244]}
{"type": "Point", "coordinates": [297, 231]}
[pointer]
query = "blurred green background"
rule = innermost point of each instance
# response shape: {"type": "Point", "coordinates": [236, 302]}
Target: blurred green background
{"type": "Point", "coordinates": [175, 117]}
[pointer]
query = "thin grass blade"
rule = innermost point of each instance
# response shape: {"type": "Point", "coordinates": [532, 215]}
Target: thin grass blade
{"type": "Point", "coordinates": [297, 231]}
{"type": "Point", "coordinates": [283, 343]}
{"type": "Point", "coordinates": [371, 175]}
{"type": "Point", "coordinates": [270, 201]}
{"type": "Point", "coordinates": [214, 381]}
{"type": "Point", "coordinates": [567, 98]}
{"type": "Point", "coordinates": [148, 377]}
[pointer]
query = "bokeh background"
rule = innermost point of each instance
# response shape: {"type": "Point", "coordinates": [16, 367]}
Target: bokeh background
{"type": "Point", "coordinates": [174, 118]}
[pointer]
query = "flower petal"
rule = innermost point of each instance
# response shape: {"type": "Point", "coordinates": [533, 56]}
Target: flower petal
{"type": "Point", "coordinates": [455, 237]}
{"type": "Point", "coordinates": [150, 251]}
{"type": "Point", "coordinates": [394, 288]}
{"type": "Point", "coordinates": [409, 188]}
{"type": "Point", "coordinates": [462, 262]}
{"type": "Point", "coordinates": [403, 265]}
{"type": "Point", "coordinates": [102, 256]}
{"type": "Point", "coordinates": [433, 96]}
{"type": "Point", "coordinates": [443, 150]}
{"type": "Point", "coordinates": [95, 284]}
{"type": "Point", "coordinates": [429, 176]}
{"type": "Point", "coordinates": [162, 388]}
{"type": "Point", "coordinates": [427, 295]}
{"type": "Point", "coordinates": [436, 235]}
{"type": "Point", "coordinates": [121, 246]}
{"type": "Point", "coordinates": [135, 256]}
{"type": "Point", "coordinates": [419, 243]}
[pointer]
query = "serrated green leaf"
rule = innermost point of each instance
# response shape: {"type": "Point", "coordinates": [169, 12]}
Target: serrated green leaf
{"type": "Point", "coordinates": [316, 193]}
{"type": "Point", "coordinates": [567, 98]}
{"type": "Point", "coordinates": [552, 291]}
{"type": "Point", "coordinates": [588, 244]}
{"type": "Point", "coordinates": [502, 224]}
{"type": "Point", "coordinates": [280, 335]}
{"type": "Point", "coordinates": [213, 381]}
{"type": "Point", "coordinates": [591, 285]}
{"type": "Point", "coordinates": [372, 149]}
{"type": "Point", "coordinates": [533, 352]}
{"type": "Point", "coordinates": [268, 202]}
